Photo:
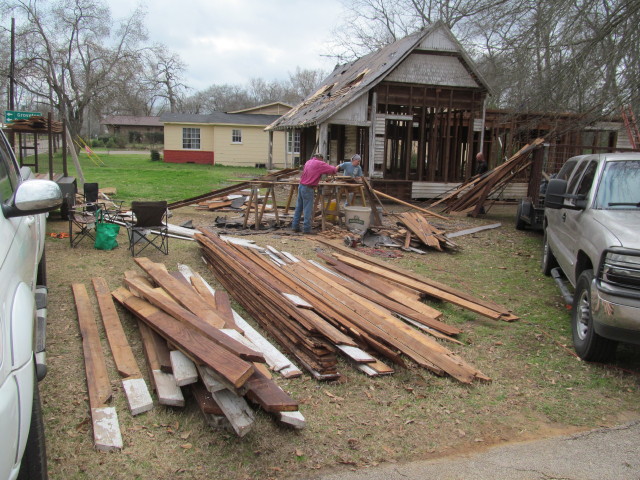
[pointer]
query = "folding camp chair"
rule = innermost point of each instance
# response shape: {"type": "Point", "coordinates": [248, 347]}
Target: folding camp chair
{"type": "Point", "coordinates": [150, 227]}
{"type": "Point", "coordinates": [90, 196]}
{"type": "Point", "coordinates": [82, 222]}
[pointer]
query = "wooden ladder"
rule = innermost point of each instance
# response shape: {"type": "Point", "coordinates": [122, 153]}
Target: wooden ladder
{"type": "Point", "coordinates": [632, 127]}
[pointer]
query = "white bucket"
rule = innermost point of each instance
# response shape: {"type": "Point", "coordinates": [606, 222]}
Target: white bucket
{"type": "Point", "coordinates": [357, 218]}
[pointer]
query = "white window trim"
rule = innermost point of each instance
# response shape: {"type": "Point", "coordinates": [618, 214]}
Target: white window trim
{"type": "Point", "coordinates": [192, 138]}
{"type": "Point", "coordinates": [233, 131]}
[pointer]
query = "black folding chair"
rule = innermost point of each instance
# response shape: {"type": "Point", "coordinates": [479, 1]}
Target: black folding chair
{"type": "Point", "coordinates": [149, 227]}
{"type": "Point", "coordinates": [91, 192]}
{"type": "Point", "coordinates": [82, 222]}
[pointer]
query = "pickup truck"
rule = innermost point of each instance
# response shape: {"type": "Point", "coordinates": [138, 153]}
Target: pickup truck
{"type": "Point", "coordinates": [23, 298]}
{"type": "Point", "coordinates": [592, 237]}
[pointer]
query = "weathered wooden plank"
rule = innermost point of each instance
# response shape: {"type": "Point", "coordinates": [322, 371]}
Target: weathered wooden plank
{"type": "Point", "coordinates": [204, 399]}
{"type": "Point", "coordinates": [195, 322]}
{"type": "Point", "coordinates": [96, 370]}
{"type": "Point", "coordinates": [183, 294]}
{"type": "Point", "coordinates": [106, 429]}
{"type": "Point", "coordinates": [505, 314]}
{"type": "Point", "coordinates": [134, 385]}
{"type": "Point", "coordinates": [231, 367]}
{"type": "Point", "coordinates": [137, 394]}
{"type": "Point", "coordinates": [293, 419]}
{"type": "Point", "coordinates": [235, 408]}
{"type": "Point", "coordinates": [268, 395]}
{"type": "Point", "coordinates": [184, 370]}
{"type": "Point", "coordinates": [421, 286]}
{"type": "Point", "coordinates": [164, 384]}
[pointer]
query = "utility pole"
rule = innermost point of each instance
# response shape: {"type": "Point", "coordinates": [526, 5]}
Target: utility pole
{"type": "Point", "coordinates": [12, 87]}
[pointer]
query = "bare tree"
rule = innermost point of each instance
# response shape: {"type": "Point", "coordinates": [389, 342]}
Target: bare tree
{"type": "Point", "coordinates": [558, 55]}
{"type": "Point", "coordinates": [164, 75]}
{"type": "Point", "coordinates": [70, 52]}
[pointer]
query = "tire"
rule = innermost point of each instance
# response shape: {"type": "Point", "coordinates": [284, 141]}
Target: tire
{"type": "Point", "coordinates": [520, 223]}
{"type": "Point", "coordinates": [548, 261]}
{"type": "Point", "coordinates": [34, 460]}
{"type": "Point", "coordinates": [588, 344]}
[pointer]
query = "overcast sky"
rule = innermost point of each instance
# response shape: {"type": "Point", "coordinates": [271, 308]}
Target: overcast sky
{"type": "Point", "coordinates": [232, 41]}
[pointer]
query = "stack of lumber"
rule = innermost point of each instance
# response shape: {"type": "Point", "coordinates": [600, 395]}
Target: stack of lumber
{"type": "Point", "coordinates": [417, 226]}
{"type": "Point", "coordinates": [426, 287]}
{"type": "Point", "coordinates": [471, 196]}
{"type": "Point", "coordinates": [208, 346]}
{"type": "Point", "coordinates": [254, 285]}
{"type": "Point", "coordinates": [304, 305]}
{"type": "Point", "coordinates": [36, 123]}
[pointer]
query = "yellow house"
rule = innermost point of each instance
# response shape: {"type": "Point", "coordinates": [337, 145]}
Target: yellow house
{"type": "Point", "coordinates": [237, 138]}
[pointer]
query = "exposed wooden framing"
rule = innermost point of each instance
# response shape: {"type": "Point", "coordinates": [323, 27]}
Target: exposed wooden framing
{"type": "Point", "coordinates": [447, 148]}
{"type": "Point", "coordinates": [470, 154]}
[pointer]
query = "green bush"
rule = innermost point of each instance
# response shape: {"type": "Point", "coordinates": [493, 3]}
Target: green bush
{"type": "Point", "coordinates": [155, 137]}
{"type": "Point", "coordinates": [135, 137]}
{"type": "Point", "coordinates": [155, 156]}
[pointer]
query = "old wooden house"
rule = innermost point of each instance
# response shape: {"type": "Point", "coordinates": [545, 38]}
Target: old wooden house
{"type": "Point", "coordinates": [415, 111]}
{"type": "Point", "coordinates": [407, 109]}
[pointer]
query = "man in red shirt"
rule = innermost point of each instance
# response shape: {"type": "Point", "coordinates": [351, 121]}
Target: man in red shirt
{"type": "Point", "coordinates": [313, 170]}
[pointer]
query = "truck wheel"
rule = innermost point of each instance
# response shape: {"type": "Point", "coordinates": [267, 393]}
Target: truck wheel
{"type": "Point", "coordinates": [520, 223]}
{"type": "Point", "coordinates": [588, 344]}
{"type": "Point", "coordinates": [548, 262]}
{"type": "Point", "coordinates": [34, 461]}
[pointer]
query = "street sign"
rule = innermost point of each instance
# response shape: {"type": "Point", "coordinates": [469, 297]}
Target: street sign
{"type": "Point", "coordinates": [13, 115]}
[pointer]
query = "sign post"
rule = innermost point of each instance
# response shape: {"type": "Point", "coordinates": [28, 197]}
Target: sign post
{"type": "Point", "coordinates": [13, 115]}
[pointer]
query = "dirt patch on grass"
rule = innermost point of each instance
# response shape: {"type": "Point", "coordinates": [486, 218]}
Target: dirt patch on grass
{"type": "Point", "coordinates": [538, 389]}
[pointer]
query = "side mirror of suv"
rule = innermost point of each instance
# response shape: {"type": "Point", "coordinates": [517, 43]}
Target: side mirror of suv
{"type": "Point", "coordinates": [33, 197]}
{"type": "Point", "coordinates": [555, 195]}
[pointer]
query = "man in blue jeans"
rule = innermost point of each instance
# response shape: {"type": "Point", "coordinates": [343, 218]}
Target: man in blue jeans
{"type": "Point", "coordinates": [313, 170]}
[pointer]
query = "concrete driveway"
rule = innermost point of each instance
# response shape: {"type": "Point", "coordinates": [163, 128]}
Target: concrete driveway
{"type": "Point", "coordinates": [606, 453]}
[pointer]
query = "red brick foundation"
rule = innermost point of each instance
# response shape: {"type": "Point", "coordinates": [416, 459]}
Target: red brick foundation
{"type": "Point", "coordinates": [188, 156]}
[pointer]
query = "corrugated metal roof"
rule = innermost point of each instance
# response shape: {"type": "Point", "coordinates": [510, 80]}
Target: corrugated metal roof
{"type": "Point", "coordinates": [220, 118]}
{"type": "Point", "coordinates": [348, 81]}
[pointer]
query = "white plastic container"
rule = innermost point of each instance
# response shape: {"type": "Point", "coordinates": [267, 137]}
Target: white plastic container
{"type": "Point", "coordinates": [357, 218]}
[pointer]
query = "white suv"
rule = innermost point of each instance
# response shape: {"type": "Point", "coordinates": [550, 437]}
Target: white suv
{"type": "Point", "coordinates": [23, 202]}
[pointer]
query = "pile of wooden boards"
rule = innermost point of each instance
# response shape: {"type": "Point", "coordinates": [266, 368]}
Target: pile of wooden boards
{"type": "Point", "coordinates": [471, 196]}
{"type": "Point", "coordinates": [418, 227]}
{"type": "Point", "coordinates": [315, 312]}
{"type": "Point", "coordinates": [36, 123]}
{"type": "Point", "coordinates": [191, 337]}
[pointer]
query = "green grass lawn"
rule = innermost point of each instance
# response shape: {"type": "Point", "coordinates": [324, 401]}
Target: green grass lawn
{"type": "Point", "coordinates": [136, 177]}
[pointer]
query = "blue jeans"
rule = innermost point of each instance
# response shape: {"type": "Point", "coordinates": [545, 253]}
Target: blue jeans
{"type": "Point", "coordinates": [304, 206]}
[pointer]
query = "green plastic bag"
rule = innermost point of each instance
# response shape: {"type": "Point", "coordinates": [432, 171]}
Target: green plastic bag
{"type": "Point", "coordinates": [106, 234]}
